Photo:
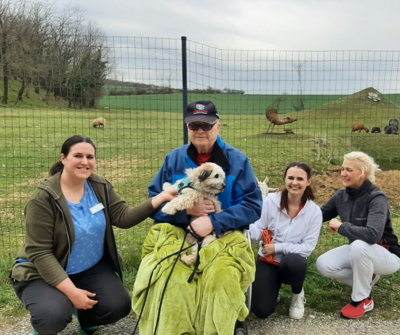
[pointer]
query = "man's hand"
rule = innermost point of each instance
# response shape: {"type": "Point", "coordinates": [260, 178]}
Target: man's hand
{"type": "Point", "coordinates": [202, 226]}
{"type": "Point", "coordinates": [334, 225]}
{"type": "Point", "coordinates": [201, 208]}
{"type": "Point", "coordinates": [268, 249]}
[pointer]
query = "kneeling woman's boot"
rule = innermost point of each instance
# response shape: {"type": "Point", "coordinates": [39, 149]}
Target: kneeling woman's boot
{"type": "Point", "coordinates": [85, 330]}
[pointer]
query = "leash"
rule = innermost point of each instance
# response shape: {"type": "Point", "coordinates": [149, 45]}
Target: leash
{"type": "Point", "coordinates": [178, 253]}
{"type": "Point", "coordinates": [199, 242]}
{"type": "Point", "coordinates": [197, 263]}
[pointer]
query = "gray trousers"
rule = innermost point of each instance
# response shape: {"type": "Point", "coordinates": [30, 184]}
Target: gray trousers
{"type": "Point", "coordinates": [51, 310]}
{"type": "Point", "coordinates": [355, 264]}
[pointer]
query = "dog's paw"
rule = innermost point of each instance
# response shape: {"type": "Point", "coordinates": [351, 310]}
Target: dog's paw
{"type": "Point", "coordinates": [169, 209]}
{"type": "Point", "coordinates": [168, 187]}
{"type": "Point", "coordinates": [207, 240]}
{"type": "Point", "coordinates": [188, 260]}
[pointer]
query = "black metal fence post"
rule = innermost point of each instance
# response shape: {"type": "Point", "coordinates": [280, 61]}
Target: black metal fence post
{"type": "Point", "coordinates": [184, 88]}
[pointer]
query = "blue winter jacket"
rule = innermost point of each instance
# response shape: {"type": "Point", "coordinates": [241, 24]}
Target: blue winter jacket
{"type": "Point", "coordinates": [241, 199]}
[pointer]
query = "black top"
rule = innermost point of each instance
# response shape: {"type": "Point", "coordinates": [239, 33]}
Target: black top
{"type": "Point", "coordinates": [365, 216]}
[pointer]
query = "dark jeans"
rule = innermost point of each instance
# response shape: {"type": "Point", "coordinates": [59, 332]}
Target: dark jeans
{"type": "Point", "coordinates": [292, 271]}
{"type": "Point", "coordinates": [51, 310]}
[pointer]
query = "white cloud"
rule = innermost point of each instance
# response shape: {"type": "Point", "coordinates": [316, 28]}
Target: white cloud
{"type": "Point", "coordinates": [262, 25]}
{"type": "Point", "coordinates": [254, 24]}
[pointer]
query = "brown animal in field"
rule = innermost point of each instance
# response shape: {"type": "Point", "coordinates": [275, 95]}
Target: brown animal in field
{"type": "Point", "coordinates": [272, 116]}
{"type": "Point", "coordinates": [99, 122]}
{"type": "Point", "coordinates": [359, 127]}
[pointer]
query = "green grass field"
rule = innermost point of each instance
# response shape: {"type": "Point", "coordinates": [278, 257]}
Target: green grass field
{"type": "Point", "coordinates": [227, 103]}
{"type": "Point", "coordinates": [141, 130]}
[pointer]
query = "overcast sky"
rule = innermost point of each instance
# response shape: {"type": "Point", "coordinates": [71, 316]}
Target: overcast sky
{"type": "Point", "coordinates": [257, 25]}
{"type": "Point", "coordinates": [254, 24]}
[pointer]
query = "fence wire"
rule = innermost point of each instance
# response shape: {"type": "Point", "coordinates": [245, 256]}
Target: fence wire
{"type": "Point", "coordinates": [313, 97]}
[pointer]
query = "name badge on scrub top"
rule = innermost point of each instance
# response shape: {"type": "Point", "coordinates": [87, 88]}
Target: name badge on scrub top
{"type": "Point", "coordinates": [97, 208]}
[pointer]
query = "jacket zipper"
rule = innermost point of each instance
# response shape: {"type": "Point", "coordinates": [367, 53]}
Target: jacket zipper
{"type": "Point", "coordinates": [287, 230]}
{"type": "Point", "coordinates": [351, 212]}
{"type": "Point", "coordinates": [64, 220]}
{"type": "Point", "coordinates": [66, 229]}
{"type": "Point", "coordinates": [290, 224]}
{"type": "Point", "coordinates": [112, 232]}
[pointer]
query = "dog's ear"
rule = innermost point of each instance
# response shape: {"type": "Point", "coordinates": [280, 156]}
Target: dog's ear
{"type": "Point", "coordinates": [205, 174]}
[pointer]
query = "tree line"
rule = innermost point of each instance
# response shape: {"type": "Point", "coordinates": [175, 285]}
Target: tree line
{"type": "Point", "coordinates": [59, 52]}
{"type": "Point", "coordinates": [169, 90]}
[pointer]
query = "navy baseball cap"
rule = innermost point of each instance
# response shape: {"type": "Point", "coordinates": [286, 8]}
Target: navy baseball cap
{"type": "Point", "coordinates": [201, 111]}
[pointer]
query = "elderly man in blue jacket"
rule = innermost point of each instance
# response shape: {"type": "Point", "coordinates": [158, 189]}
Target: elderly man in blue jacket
{"type": "Point", "coordinates": [241, 200]}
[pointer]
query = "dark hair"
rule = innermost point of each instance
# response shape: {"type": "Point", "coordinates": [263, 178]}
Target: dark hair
{"type": "Point", "coordinates": [308, 192]}
{"type": "Point", "coordinates": [66, 147]}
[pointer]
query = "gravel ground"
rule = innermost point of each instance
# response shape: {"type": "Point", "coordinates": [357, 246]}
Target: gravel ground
{"type": "Point", "coordinates": [316, 323]}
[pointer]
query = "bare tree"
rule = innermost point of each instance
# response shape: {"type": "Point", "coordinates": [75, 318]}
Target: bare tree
{"type": "Point", "coordinates": [58, 51]}
{"type": "Point", "coordinates": [34, 34]}
{"type": "Point", "coordinates": [166, 78]}
{"type": "Point", "coordinates": [11, 15]}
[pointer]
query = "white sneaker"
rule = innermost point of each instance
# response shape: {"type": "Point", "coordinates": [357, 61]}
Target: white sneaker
{"type": "Point", "coordinates": [296, 310]}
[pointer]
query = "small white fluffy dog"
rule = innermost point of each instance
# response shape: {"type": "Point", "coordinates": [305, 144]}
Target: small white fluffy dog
{"type": "Point", "coordinates": [202, 183]}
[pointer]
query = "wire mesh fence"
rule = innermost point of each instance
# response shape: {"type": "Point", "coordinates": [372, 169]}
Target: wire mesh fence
{"type": "Point", "coordinates": [275, 106]}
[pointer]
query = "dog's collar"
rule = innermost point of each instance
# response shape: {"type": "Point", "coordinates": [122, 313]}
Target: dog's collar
{"type": "Point", "coordinates": [185, 183]}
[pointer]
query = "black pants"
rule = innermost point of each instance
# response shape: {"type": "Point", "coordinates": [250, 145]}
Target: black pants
{"type": "Point", "coordinates": [292, 271]}
{"type": "Point", "coordinates": [51, 310]}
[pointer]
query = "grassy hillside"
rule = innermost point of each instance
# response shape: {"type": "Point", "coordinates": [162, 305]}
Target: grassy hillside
{"type": "Point", "coordinates": [394, 97]}
{"type": "Point", "coordinates": [338, 116]}
{"type": "Point", "coordinates": [32, 100]}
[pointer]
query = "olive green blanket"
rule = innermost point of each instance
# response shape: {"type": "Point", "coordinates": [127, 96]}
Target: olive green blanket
{"type": "Point", "coordinates": [211, 303]}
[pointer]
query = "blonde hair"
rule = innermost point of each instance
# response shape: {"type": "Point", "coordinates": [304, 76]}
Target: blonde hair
{"type": "Point", "coordinates": [365, 163]}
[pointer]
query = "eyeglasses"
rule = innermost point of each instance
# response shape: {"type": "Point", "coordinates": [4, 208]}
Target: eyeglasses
{"type": "Point", "coordinates": [204, 126]}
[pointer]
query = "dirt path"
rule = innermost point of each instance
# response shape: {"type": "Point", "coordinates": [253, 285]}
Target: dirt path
{"type": "Point", "coordinates": [312, 323]}
{"type": "Point", "coordinates": [329, 183]}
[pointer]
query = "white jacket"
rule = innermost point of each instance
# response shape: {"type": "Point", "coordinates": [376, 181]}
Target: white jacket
{"type": "Point", "coordinates": [298, 235]}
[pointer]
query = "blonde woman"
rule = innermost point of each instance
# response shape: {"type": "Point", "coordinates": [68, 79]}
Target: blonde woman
{"type": "Point", "coordinates": [373, 248]}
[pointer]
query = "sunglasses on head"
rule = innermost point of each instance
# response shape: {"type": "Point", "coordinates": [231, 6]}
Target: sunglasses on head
{"type": "Point", "coordinates": [204, 126]}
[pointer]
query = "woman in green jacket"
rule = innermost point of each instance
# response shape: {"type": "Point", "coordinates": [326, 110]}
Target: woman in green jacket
{"type": "Point", "coordinates": [69, 262]}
